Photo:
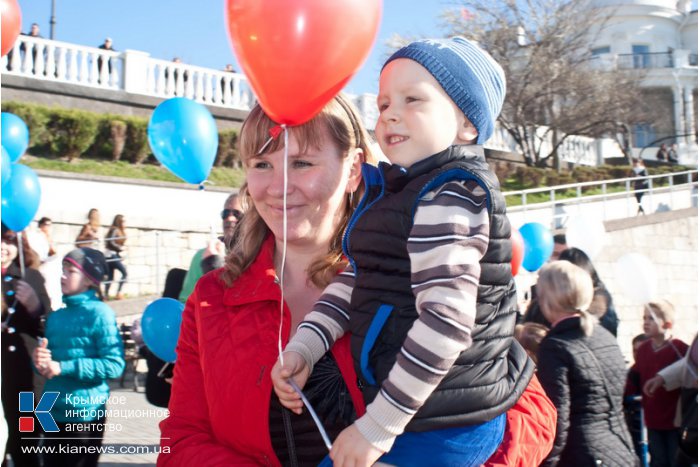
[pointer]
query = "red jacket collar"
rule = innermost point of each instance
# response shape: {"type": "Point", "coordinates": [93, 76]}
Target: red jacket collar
{"type": "Point", "coordinates": [258, 282]}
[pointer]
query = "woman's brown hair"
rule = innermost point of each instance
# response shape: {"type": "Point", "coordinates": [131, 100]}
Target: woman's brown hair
{"type": "Point", "coordinates": [342, 120]}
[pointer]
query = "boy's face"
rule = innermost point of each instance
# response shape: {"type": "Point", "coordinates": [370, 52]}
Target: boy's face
{"type": "Point", "coordinates": [653, 326]}
{"type": "Point", "coordinates": [416, 117]}
{"type": "Point", "coordinates": [73, 281]}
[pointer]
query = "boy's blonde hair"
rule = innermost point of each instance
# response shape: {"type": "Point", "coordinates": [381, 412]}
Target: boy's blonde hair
{"type": "Point", "coordinates": [663, 310]}
{"type": "Point", "coordinates": [566, 288]}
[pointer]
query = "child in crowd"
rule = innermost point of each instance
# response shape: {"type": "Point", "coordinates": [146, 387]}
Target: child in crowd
{"type": "Point", "coordinates": [654, 354]}
{"type": "Point", "coordinates": [429, 298]}
{"type": "Point", "coordinates": [530, 335]}
{"type": "Point", "coordinates": [81, 351]}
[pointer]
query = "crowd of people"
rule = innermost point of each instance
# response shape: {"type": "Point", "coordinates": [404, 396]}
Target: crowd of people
{"type": "Point", "coordinates": [382, 291]}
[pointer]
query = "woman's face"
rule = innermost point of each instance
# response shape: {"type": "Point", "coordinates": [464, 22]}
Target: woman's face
{"type": "Point", "coordinates": [9, 253]}
{"type": "Point", "coordinates": [317, 187]}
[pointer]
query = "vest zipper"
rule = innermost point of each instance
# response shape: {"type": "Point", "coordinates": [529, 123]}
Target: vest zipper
{"type": "Point", "coordinates": [359, 212]}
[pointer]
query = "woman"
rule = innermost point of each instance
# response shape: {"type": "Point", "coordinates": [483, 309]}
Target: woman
{"type": "Point", "coordinates": [24, 304]}
{"type": "Point", "coordinates": [89, 235]}
{"type": "Point", "coordinates": [114, 245]}
{"type": "Point", "coordinates": [582, 370]}
{"type": "Point", "coordinates": [602, 305]}
{"type": "Point", "coordinates": [222, 408]}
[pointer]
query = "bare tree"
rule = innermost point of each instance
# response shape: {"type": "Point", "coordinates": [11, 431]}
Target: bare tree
{"type": "Point", "coordinates": [556, 87]}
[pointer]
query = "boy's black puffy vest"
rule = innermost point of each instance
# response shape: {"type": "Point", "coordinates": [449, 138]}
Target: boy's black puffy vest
{"type": "Point", "coordinates": [487, 378]}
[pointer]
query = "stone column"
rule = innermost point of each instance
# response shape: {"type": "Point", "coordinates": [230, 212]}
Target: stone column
{"type": "Point", "coordinates": [136, 71]}
{"type": "Point", "coordinates": [689, 115]}
{"type": "Point", "coordinates": [678, 113]}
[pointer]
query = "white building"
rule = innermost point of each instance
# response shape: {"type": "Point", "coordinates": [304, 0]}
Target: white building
{"type": "Point", "coordinates": [660, 37]}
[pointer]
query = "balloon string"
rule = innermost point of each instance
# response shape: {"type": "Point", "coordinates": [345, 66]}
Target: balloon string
{"type": "Point", "coordinates": [21, 254]}
{"type": "Point", "coordinates": [284, 240]}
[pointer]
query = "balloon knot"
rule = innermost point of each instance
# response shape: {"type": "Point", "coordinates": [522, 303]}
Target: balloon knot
{"type": "Point", "coordinates": [201, 186]}
{"type": "Point", "coordinates": [274, 133]}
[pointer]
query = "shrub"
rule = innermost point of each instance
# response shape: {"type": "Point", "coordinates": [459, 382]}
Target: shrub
{"type": "Point", "coordinates": [71, 132]}
{"type": "Point", "coordinates": [227, 152]}
{"type": "Point", "coordinates": [136, 148]}
{"type": "Point", "coordinates": [117, 131]}
{"type": "Point", "coordinates": [101, 147]}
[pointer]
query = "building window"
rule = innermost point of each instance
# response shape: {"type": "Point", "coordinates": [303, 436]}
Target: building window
{"type": "Point", "coordinates": [600, 51]}
{"type": "Point", "coordinates": [641, 57]}
{"type": "Point", "coordinates": [644, 134]}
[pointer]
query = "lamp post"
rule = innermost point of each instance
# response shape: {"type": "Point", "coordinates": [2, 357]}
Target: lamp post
{"type": "Point", "coordinates": [52, 21]}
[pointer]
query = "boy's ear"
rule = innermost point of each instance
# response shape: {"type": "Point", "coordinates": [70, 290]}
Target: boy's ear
{"type": "Point", "coordinates": [667, 325]}
{"type": "Point", "coordinates": [466, 133]}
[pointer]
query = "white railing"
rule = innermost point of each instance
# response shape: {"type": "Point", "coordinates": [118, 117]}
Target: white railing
{"type": "Point", "coordinates": [614, 199]}
{"type": "Point", "coordinates": [130, 71]}
{"type": "Point", "coordinates": [136, 72]}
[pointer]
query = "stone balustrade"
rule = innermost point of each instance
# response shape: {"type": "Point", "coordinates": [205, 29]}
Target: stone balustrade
{"type": "Point", "coordinates": [138, 73]}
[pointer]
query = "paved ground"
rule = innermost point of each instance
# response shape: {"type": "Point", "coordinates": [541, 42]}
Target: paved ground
{"type": "Point", "coordinates": [139, 437]}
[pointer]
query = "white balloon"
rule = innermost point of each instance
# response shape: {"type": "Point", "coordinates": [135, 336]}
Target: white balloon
{"type": "Point", "coordinates": [586, 234]}
{"type": "Point", "coordinates": [636, 275]}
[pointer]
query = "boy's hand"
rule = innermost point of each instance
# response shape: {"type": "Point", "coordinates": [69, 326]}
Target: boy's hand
{"type": "Point", "coordinates": [52, 369]}
{"type": "Point", "coordinates": [43, 362]}
{"type": "Point", "coordinates": [294, 367]}
{"type": "Point", "coordinates": [651, 386]}
{"type": "Point", "coordinates": [352, 449]}
{"type": "Point", "coordinates": [41, 355]}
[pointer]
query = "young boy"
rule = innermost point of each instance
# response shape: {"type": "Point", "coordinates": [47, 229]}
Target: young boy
{"type": "Point", "coordinates": [429, 297]}
{"type": "Point", "coordinates": [654, 354]}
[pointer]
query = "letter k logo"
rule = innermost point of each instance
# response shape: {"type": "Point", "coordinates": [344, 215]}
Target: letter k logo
{"type": "Point", "coordinates": [42, 411]}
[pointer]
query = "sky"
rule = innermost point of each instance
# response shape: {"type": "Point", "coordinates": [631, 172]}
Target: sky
{"type": "Point", "coordinates": [195, 30]}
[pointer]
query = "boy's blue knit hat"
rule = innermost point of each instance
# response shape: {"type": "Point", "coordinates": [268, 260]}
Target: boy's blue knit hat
{"type": "Point", "coordinates": [467, 73]}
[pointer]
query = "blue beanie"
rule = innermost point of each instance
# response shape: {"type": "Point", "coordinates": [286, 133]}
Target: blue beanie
{"type": "Point", "coordinates": [90, 261]}
{"type": "Point", "coordinates": [467, 73]}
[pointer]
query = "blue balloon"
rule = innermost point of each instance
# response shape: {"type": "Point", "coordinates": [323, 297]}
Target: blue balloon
{"type": "Point", "coordinates": [5, 167]}
{"type": "Point", "coordinates": [160, 326]}
{"type": "Point", "coordinates": [15, 135]}
{"type": "Point", "coordinates": [539, 245]}
{"type": "Point", "coordinates": [182, 135]}
{"type": "Point", "coordinates": [20, 197]}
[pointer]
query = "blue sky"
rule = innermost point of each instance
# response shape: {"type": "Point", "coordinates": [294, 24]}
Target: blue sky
{"type": "Point", "coordinates": [195, 30]}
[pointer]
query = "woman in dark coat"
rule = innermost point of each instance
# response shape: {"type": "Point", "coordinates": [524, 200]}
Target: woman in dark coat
{"type": "Point", "coordinates": [583, 372]}
{"type": "Point", "coordinates": [602, 306]}
{"type": "Point", "coordinates": [24, 303]}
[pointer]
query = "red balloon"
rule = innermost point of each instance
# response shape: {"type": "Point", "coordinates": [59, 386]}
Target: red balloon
{"type": "Point", "coordinates": [11, 17]}
{"type": "Point", "coordinates": [298, 54]}
{"type": "Point", "coordinates": [518, 244]}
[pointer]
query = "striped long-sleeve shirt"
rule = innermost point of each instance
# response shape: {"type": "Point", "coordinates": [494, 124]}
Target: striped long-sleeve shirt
{"type": "Point", "coordinates": [449, 237]}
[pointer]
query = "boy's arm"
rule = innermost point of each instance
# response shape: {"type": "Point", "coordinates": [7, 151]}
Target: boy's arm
{"type": "Point", "coordinates": [449, 237]}
{"type": "Point", "coordinates": [328, 321]}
